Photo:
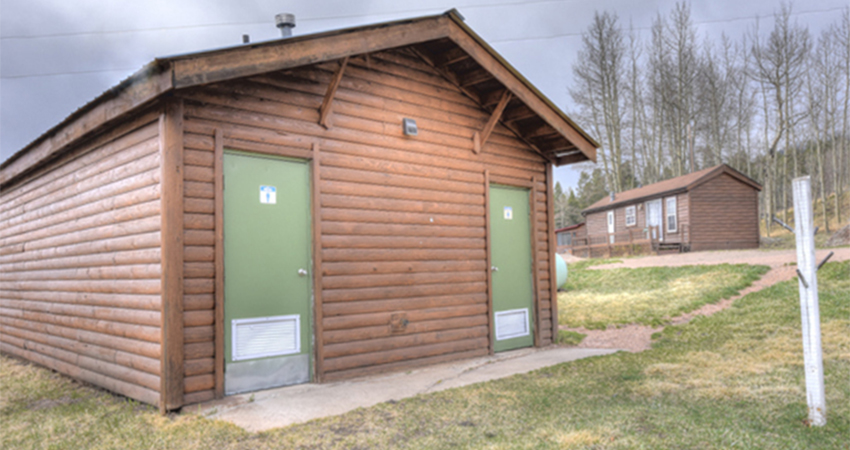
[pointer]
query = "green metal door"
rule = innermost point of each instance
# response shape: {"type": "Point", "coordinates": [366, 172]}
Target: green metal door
{"type": "Point", "coordinates": [267, 265]}
{"type": "Point", "coordinates": [510, 247]}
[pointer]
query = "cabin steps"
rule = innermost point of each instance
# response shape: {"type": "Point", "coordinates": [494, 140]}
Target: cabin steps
{"type": "Point", "coordinates": [667, 248]}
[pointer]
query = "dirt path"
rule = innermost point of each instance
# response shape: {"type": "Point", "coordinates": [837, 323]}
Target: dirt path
{"type": "Point", "coordinates": [636, 338]}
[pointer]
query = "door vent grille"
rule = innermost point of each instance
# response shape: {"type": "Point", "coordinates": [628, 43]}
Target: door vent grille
{"type": "Point", "coordinates": [512, 323]}
{"type": "Point", "coordinates": [266, 336]}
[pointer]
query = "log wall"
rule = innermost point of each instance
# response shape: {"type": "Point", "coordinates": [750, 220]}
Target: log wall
{"type": "Point", "coordinates": [80, 263]}
{"type": "Point", "coordinates": [597, 222]}
{"type": "Point", "coordinates": [403, 248]}
{"type": "Point", "coordinates": [199, 265]}
{"type": "Point", "coordinates": [724, 215]}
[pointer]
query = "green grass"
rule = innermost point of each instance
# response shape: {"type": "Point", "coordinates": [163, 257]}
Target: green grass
{"type": "Point", "coordinates": [731, 380]}
{"type": "Point", "coordinates": [583, 264]}
{"type": "Point", "coordinates": [595, 299]}
{"type": "Point", "coordinates": [570, 338]}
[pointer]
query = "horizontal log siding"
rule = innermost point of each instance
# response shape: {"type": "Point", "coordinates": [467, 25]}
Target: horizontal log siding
{"type": "Point", "coordinates": [403, 218]}
{"type": "Point", "coordinates": [80, 266]}
{"type": "Point", "coordinates": [597, 222]}
{"type": "Point", "coordinates": [724, 215]}
{"type": "Point", "coordinates": [199, 267]}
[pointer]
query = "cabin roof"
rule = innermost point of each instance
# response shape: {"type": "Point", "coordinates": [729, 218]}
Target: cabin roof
{"type": "Point", "coordinates": [443, 41]}
{"type": "Point", "coordinates": [675, 185]}
{"type": "Point", "coordinates": [570, 228]}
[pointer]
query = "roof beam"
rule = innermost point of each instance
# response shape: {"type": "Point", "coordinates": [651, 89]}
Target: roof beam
{"type": "Point", "coordinates": [450, 57]}
{"type": "Point", "coordinates": [491, 124]}
{"type": "Point", "coordinates": [483, 54]}
{"type": "Point", "coordinates": [476, 137]}
{"type": "Point", "coordinates": [518, 114]}
{"type": "Point", "coordinates": [491, 98]}
{"type": "Point", "coordinates": [527, 142]}
{"type": "Point", "coordinates": [448, 74]}
{"type": "Point", "coordinates": [475, 77]}
{"type": "Point", "coordinates": [541, 131]}
{"type": "Point", "coordinates": [327, 102]}
{"type": "Point", "coordinates": [572, 159]}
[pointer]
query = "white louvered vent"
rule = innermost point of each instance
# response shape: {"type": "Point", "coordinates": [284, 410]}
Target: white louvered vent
{"type": "Point", "coordinates": [266, 336]}
{"type": "Point", "coordinates": [512, 323]}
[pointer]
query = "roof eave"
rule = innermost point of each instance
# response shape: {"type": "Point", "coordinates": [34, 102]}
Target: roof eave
{"type": "Point", "coordinates": [534, 99]}
{"type": "Point", "coordinates": [215, 66]}
{"type": "Point", "coordinates": [136, 91]}
{"type": "Point", "coordinates": [644, 198]}
{"type": "Point", "coordinates": [183, 71]}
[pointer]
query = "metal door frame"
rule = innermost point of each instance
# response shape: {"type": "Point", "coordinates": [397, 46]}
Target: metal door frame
{"type": "Point", "coordinates": [530, 185]}
{"type": "Point", "coordinates": [312, 156]}
{"type": "Point", "coordinates": [311, 296]}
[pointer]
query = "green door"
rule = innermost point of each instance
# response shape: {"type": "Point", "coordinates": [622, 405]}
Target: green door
{"type": "Point", "coordinates": [510, 247]}
{"type": "Point", "coordinates": [267, 266]}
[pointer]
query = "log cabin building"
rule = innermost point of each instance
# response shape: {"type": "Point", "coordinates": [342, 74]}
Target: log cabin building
{"type": "Point", "coordinates": [307, 209]}
{"type": "Point", "coordinates": [711, 209]}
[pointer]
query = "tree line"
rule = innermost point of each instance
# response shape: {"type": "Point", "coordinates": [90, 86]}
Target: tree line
{"type": "Point", "coordinates": [773, 104]}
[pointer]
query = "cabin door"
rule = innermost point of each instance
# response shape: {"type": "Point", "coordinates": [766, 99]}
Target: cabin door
{"type": "Point", "coordinates": [611, 226]}
{"type": "Point", "coordinates": [267, 265]}
{"type": "Point", "coordinates": [653, 219]}
{"type": "Point", "coordinates": [512, 285]}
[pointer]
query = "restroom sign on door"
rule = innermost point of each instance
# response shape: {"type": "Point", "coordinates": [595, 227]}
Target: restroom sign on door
{"type": "Point", "coordinates": [268, 195]}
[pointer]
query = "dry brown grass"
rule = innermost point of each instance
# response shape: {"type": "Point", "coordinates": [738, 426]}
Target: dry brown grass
{"type": "Point", "coordinates": [732, 380]}
{"type": "Point", "coordinates": [596, 299]}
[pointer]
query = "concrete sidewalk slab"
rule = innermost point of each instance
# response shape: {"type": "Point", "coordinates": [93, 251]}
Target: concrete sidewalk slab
{"type": "Point", "coordinates": [285, 406]}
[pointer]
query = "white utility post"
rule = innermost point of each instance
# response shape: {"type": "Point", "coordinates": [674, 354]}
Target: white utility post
{"type": "Point", "coordinates": [810, 312]}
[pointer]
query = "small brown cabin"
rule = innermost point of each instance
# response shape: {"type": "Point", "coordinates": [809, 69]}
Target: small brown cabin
{"type": "Point", "coordinates": [568, 235]}
{"type": "Point", "coordinates": [711, 209]}
{"type": "Point", "coordinates": [307, 209]}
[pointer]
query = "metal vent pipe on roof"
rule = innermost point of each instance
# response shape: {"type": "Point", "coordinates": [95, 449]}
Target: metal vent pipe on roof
{"type": "Point", "coordinates": [285, 22]}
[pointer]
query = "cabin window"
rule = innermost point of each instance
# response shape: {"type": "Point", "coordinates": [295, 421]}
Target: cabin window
{"type": "Point", "coordinates": [631, 216]}
{"type": "Point", "coordinates": [672, 222]}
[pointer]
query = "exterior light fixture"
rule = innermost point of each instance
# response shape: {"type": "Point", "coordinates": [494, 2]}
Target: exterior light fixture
{"type": "Point", "coordinates": [409, 126]}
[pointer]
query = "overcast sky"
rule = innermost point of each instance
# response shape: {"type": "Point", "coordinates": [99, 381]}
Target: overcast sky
{"type": "Point", "coordinates": [56, 55]}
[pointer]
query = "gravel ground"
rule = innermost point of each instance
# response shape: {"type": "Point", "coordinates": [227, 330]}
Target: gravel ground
{"type": "Point", "coordinates": [636, 338]}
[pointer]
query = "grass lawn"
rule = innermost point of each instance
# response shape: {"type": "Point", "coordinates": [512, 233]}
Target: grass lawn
{"type": "Point", "coordinates": [732, 380]}
{"type": "Point", "coordinates": [648, 296]}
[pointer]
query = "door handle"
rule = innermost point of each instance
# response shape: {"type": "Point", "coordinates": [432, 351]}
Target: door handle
{"type": "Point", "coordinates": [302, 272]}
{"type": "Point", "coordinates": [494, 269]}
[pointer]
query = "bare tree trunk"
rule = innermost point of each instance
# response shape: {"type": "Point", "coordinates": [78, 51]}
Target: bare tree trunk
{"type": "Point", "coordinates": [843, 32]}
{"type": "Point", "coordinates": [821, 184]}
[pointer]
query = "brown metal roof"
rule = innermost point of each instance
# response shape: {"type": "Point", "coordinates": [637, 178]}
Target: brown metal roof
{"type": "Point", "coordinates": [571, 227]}
{"type": "Point", "coordinates": [682, 183]}
{"type": "Point", "coordinates": [443, 41]}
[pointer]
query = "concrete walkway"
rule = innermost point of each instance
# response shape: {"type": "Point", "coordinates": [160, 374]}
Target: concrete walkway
{"type": "Point", "coordinates": [285, 406]}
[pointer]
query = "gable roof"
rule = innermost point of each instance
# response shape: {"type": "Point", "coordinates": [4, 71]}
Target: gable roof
{"type": "Point", "coordinates": [443, 41]}
{"type": "Point", "coordinates": [675, 185]}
